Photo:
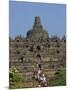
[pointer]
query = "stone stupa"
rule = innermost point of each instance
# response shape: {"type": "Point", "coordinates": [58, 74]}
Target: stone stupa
{"type": "Point", "coordinates": [37, 31]}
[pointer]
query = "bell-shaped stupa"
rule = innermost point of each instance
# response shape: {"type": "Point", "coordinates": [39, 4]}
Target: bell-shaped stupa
{"type": "Point", "coordinates": [37, 31]}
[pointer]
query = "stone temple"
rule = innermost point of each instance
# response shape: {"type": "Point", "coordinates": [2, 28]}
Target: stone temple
{"type": "Point", "coordinates": [37, 46]}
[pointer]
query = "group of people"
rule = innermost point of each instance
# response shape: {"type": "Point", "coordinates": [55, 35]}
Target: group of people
{"type": "Point", "coordinates": [39, 76]}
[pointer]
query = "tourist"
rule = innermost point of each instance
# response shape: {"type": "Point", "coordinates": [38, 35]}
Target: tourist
{"type": "Point", "coordinates": [39, 73]}
{"type": "Point", "coordinates": [44, 80]}
{"type": "Point", "coordinates": [39, 66]}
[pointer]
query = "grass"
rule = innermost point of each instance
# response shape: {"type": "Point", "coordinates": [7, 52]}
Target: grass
{"type": "Point", "coordinates": [59, 79]}
{"type": "Point", "coordinates": [17, 81]}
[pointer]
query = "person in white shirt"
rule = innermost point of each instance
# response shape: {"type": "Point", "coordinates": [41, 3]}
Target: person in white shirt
{"type": "Point", "coordinates": [39, 73]}
{"type": "Point", "coordinates": [43, 79]}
